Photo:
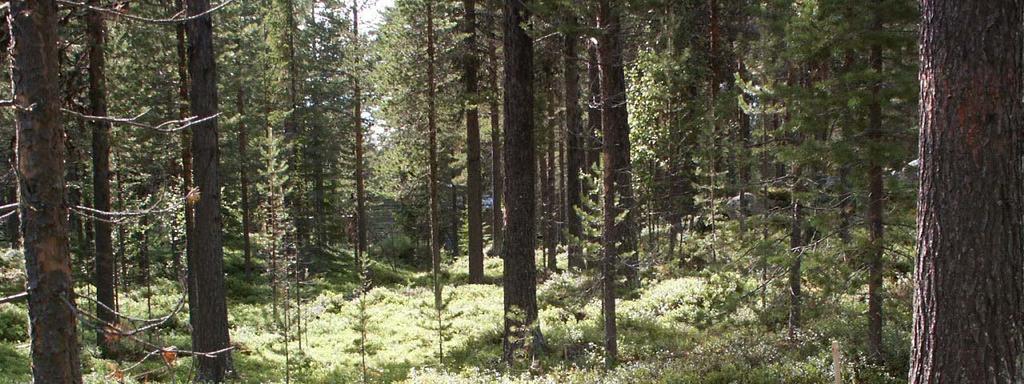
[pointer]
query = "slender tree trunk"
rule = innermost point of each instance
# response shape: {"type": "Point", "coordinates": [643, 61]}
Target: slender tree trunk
{"type": "Point", "coordinates": [122, 242]}
{"type": "Point", "coordinates": [103, 268]}
{"type": "Point", "coordinates": [10, 187]}
{"type": "Point", "coordinates": [796, 247]}
{"type": "Point", "coordinates": [574, 144]}
{"type": "Point", "coordinates": [13, 223]}
{"type": "Point", "coordinates": [210, 317]}
{"type": "Point", "coordinates": [44, 213]}
{"type": "Point", "coordinates": [968, 302]}
{"type": "Point", "coordinates": [497, 215]}
{"type": "Point", "coordinates": [473, 178]}
{"type": "Point", "coordinates": [520, 271]}
{"type": "Point", "coordinates": [74, 195]}
{"type": "Point", "coordinates": [186, 155]}
{"type": "Point", "coordinates": [743, 160]}
{"type": "Point", "coordinates": [592, 143]}
{"type": "Point", "coordinates": [285, 51]}
{"type": "Point", "coordinates": [876, 207]}
{"type": "Point", "coordinates": [560, 227]}
{"type": "Point", "coordinates": [435, 246]}
{"type": "Point", "coordinates": [454, 214]}
{"type": "Point", "coordinates": [243, 154]}
{"type": "Point", "coordinates": [142, 242]}
{"type": "Point", "coordinates": [549, 213]}
{"type": "Point", "coordinates": [361, 243]}
{"type": "Point", "coordinates": [845, 205]}
{"type": "Point", "coordinates": [617, 180]}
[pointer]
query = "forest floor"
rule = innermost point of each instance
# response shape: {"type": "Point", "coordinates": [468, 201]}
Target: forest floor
{"type": "Point", "coordinates": [704, 328]}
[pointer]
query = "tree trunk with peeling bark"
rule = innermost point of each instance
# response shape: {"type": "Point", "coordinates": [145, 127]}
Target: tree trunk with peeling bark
{"type": "Point", "coordinates": [41, 189]}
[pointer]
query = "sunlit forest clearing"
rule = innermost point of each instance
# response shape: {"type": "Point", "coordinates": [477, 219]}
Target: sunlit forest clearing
{"type": "Point", "coordinates": [512, 191]}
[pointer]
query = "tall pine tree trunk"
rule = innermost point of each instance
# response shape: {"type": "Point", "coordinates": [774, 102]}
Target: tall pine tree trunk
{"type": "Point", "coordinates": [473, 177]}
{"type": "Point", "coordinates": [432, 183]}
{"type": "Point", "coordinates": [520, 270]}
{"type": "Point", "coordinates": [550, 213]}
{"type": "Point", "coordinates": [574, 144]}
{"type": "Point", "coordinates": [243, 154]}
{"type": "Point", "coordinates": [616, 180]}
{"type": "Point", "coordinates": [796, 247]}
{"type": "Point", "coordinates": [210, 317]}
{"type": "Point", "coordinates": [103, 267]}
{"type": "Point", "coordinates": [43, 210]}
{"type": "Point", "coordinates": [592, 143]}
{"type": "Point", "coordinates": [357, 113]}
{"type": "Point", "coordinates": [186, 154]}
{"type": "Point", "coordinates": [968, 301]}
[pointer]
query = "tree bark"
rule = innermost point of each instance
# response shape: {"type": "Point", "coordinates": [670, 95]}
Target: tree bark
{"type": "Point", "coordinates": [968, 301]}
{"type": "Point", "coordinates": [616, 179]}
{"type": "Point", "coordinates": [210, 318]}
{"type": "Point", "coordinates": [103, 267]}
{"type": "Point", "coordinates": [473, 178]}
{"type": "Point", "coordinates": [574, 144]}
{"type": "Point", "coordinates": [520, 271]}
{"type": "Point", "coordinates": [43, 211]}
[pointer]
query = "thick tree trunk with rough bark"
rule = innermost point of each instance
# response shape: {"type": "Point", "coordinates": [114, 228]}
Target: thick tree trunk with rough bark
{"type": "Point", "coordinates": [473, 177]}
{"type": "Point", "coordinates": [43, 211]}
{"type": "Point", "coordinates": [969, 302]}
{"type": "Point", "coordinates": [520, 270]}
{"type": "Point", "coordinates": [103, 266]}
{"type": "Point", "coordinates": [209, 317]}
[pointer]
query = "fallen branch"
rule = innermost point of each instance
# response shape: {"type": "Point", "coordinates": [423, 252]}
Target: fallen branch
{"type": "Point", "coordinates": [183, 124]}
{"type": "Point", "coordinates": [14, 297]}
{"type": "Point", "coordinates": [177, 18]}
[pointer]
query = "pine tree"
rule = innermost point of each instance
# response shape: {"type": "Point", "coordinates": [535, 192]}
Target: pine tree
{"type": "Point", "coordinates": [42, 208]}
{"type": "Point", "coordinates": [967, 302]}
{"type": "Point", "coordinates": [209, 318]}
